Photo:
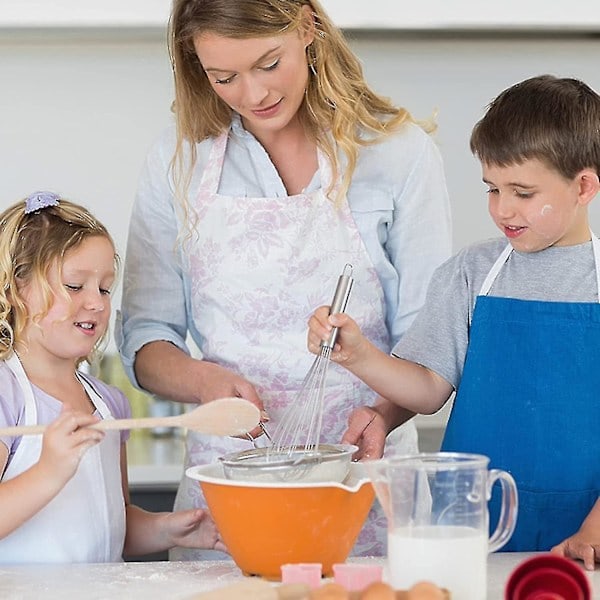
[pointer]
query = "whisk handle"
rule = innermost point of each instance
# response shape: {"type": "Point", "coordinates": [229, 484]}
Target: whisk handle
{"type": "Point", "coordinates": [340, 301]}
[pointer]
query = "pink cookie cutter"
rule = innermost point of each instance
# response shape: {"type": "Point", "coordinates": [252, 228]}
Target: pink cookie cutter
{"type": "Point", "coordinates": [356, 577]}
{"type": "Point", "coordinates": [307, 573]}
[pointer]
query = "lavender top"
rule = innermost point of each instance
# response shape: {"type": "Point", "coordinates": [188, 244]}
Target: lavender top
{"type": "Point", "coordinates": [12, 405]}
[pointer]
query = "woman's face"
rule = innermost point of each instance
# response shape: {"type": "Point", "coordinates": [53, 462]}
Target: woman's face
{"type": "Point", "coordinates": [263, 79]}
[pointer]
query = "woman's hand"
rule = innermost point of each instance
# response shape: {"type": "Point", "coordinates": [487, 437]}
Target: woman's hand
{"type": "Point", "coordinates": [168, 372]}
{"type": "Point", "coordinates": [64, 443]}
{"type": "Point", "coordinates": [223, 383]}
{"type": "Point", "coordinates": [165, 370]}
{"type": "Point", "coordinates": [367, 430]}
{"type": "Point", "coordinates": [368, 427]}
{"type": "Point", "coordinates": [219, 382]}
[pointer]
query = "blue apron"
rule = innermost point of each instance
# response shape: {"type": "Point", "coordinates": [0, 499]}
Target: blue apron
{"type": "Point", "coordinates": [529, 399]}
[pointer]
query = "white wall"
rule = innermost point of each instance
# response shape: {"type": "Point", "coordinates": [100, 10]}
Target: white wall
{"type": "Point", "coordinates": [78, 111]}
{"type": "Point", "coordinates": [78, 116]}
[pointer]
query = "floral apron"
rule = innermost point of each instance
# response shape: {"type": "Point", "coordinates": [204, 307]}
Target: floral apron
{"type": "Point", "coordinates": [258, 268]}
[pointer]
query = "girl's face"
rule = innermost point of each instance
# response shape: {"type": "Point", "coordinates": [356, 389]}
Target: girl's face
{"type": "Point", "coordinates": [536, 207]}
{"type": "Point", "coordinates": [263, 79]}
{"type": "Point", "coordinates": [77, 320]}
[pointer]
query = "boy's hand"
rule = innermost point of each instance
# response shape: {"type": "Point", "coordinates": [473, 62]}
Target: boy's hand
{"type": "Point", "coordinates": [581, 546]}
{"type": "Point", "coordinates": [349, 341]}
{"type": "Point", "coordinates": [65, 441]}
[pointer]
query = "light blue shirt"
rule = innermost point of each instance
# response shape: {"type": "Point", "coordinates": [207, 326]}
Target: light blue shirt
{"type": "Point", "coordinates": [398, 199]}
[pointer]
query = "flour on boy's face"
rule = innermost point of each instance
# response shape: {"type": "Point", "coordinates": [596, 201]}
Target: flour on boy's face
{"type": "Point", "coordinates": [536, 207]}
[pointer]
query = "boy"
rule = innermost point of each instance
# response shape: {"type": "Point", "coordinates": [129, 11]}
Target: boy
{"type": "Point", "coordinates": [514, 327]}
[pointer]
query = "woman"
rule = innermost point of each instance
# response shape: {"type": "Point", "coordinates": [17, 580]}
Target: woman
{"type": "Point", "coordinates": [283, 166]}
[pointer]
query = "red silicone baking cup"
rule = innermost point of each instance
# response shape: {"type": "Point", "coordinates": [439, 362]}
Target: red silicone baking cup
{"type": "Point", "coordinates": [548, 577]}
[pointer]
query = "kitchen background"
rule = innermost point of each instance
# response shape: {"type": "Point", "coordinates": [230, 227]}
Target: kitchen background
{"type": "Point", "coordinates": [85, 87]}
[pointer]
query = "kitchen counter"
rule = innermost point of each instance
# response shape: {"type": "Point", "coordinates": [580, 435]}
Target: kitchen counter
{"type": "Point", "coordinates": [174, 580]}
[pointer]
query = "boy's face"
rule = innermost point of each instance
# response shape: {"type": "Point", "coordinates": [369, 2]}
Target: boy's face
{"type": "Point", "coordinates": [536, 207]}
{"type": "Point", "coordinates": [80, 311]}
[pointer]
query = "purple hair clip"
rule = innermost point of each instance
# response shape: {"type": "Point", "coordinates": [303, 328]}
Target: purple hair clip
{"type": "Point", "coordinates": [40, 200]}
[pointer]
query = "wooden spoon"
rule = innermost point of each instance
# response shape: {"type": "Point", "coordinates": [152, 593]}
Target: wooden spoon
{"type": "Point", "coordinates": [225, 416]}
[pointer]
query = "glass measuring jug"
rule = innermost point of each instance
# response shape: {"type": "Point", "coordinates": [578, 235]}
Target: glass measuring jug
{"type": "Point", "coordinates": [436, 506]}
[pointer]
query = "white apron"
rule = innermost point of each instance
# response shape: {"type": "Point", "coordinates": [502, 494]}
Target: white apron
{"type": "Point", "coordinates": [258, 268]}
{"type": "Point", "coordinates": [85, 522]}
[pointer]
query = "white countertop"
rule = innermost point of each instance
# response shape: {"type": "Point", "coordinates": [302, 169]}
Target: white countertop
{"type": "Point", "coordinates": [174, 580]}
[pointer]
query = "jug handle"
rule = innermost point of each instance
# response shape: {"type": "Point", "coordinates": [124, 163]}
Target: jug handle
{"type": "Point", "coordinates": [509, 508]}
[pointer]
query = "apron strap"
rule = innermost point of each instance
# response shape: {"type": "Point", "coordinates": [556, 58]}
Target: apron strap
{"type": "Point", "coordinates": [94, 396]}
{"type": "Point", "coordinates": [211, 176]}
{"type": "Point", "coordinates": [505, 254]}
{"type": "Point", "coordinates": [495, 270]}
{"type": "Point", "coordinates": [209, 182]}
{"type": "Point", "coordinates": [14, 364]}
{"type": "Point", "coordinates": [596, 249]}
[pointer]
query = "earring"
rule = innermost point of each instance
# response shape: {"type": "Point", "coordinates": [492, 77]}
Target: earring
{"type": "Point", "coordinates": [311, 57]}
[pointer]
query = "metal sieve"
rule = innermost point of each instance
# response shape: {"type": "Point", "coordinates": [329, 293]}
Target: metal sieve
{"type": "Point", "coordinates": [328, 462]}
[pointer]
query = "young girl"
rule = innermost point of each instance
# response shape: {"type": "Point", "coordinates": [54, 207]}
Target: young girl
{"type": "Point", "coordinates": [64, 494]}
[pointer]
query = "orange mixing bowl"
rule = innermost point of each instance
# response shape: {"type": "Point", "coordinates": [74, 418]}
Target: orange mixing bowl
{"type": "Point", "coordinates": [265, 525]}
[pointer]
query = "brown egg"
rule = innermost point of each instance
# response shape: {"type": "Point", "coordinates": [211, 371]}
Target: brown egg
{"type": "Point", "coordinates": [293, 591]}
{"type": "Point", "coordinates": [425, 590]}
{"type": "Point", "coordinates": [330, 591]}
{"type": "Point", "coordinates": [378, 590]}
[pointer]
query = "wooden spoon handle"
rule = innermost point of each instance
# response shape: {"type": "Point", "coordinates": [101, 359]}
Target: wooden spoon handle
{"type": "Point", "coordinates": [102, 425]}
{"type": "Point", "coordinates": [224, 416]}
{"type": "Point", "coordinates": [137, 423]}
{"type": "Point", "coordinates": [18, 430]}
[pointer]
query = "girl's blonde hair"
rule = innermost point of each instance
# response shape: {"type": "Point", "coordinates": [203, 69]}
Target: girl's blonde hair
{"type": "Point", "coordinates": [30, 245]}
{"type": "Point", "coordinates": [337, 98]}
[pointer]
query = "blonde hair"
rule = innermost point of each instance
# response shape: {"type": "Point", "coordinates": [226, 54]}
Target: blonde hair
{"type": "Point", "coordinates": [337, 99]}
{"type": "Point", "coordinates": [30, 245]}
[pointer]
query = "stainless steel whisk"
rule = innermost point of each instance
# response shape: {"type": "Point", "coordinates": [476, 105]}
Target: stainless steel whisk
{"type": "Point", "coordinates": [300, 426]}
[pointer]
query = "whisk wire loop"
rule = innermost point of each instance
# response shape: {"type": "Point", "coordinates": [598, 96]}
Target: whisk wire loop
{"type": "Point", "coordinates": [299, 430]}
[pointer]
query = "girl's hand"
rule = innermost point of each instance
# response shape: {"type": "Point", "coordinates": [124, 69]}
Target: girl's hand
{"type": "Point", "coordinates": [193, 529]}
{"type": "Point", "coordinates": [65, 441]}
{"type": "Point", "coordinates": [350, 342]}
